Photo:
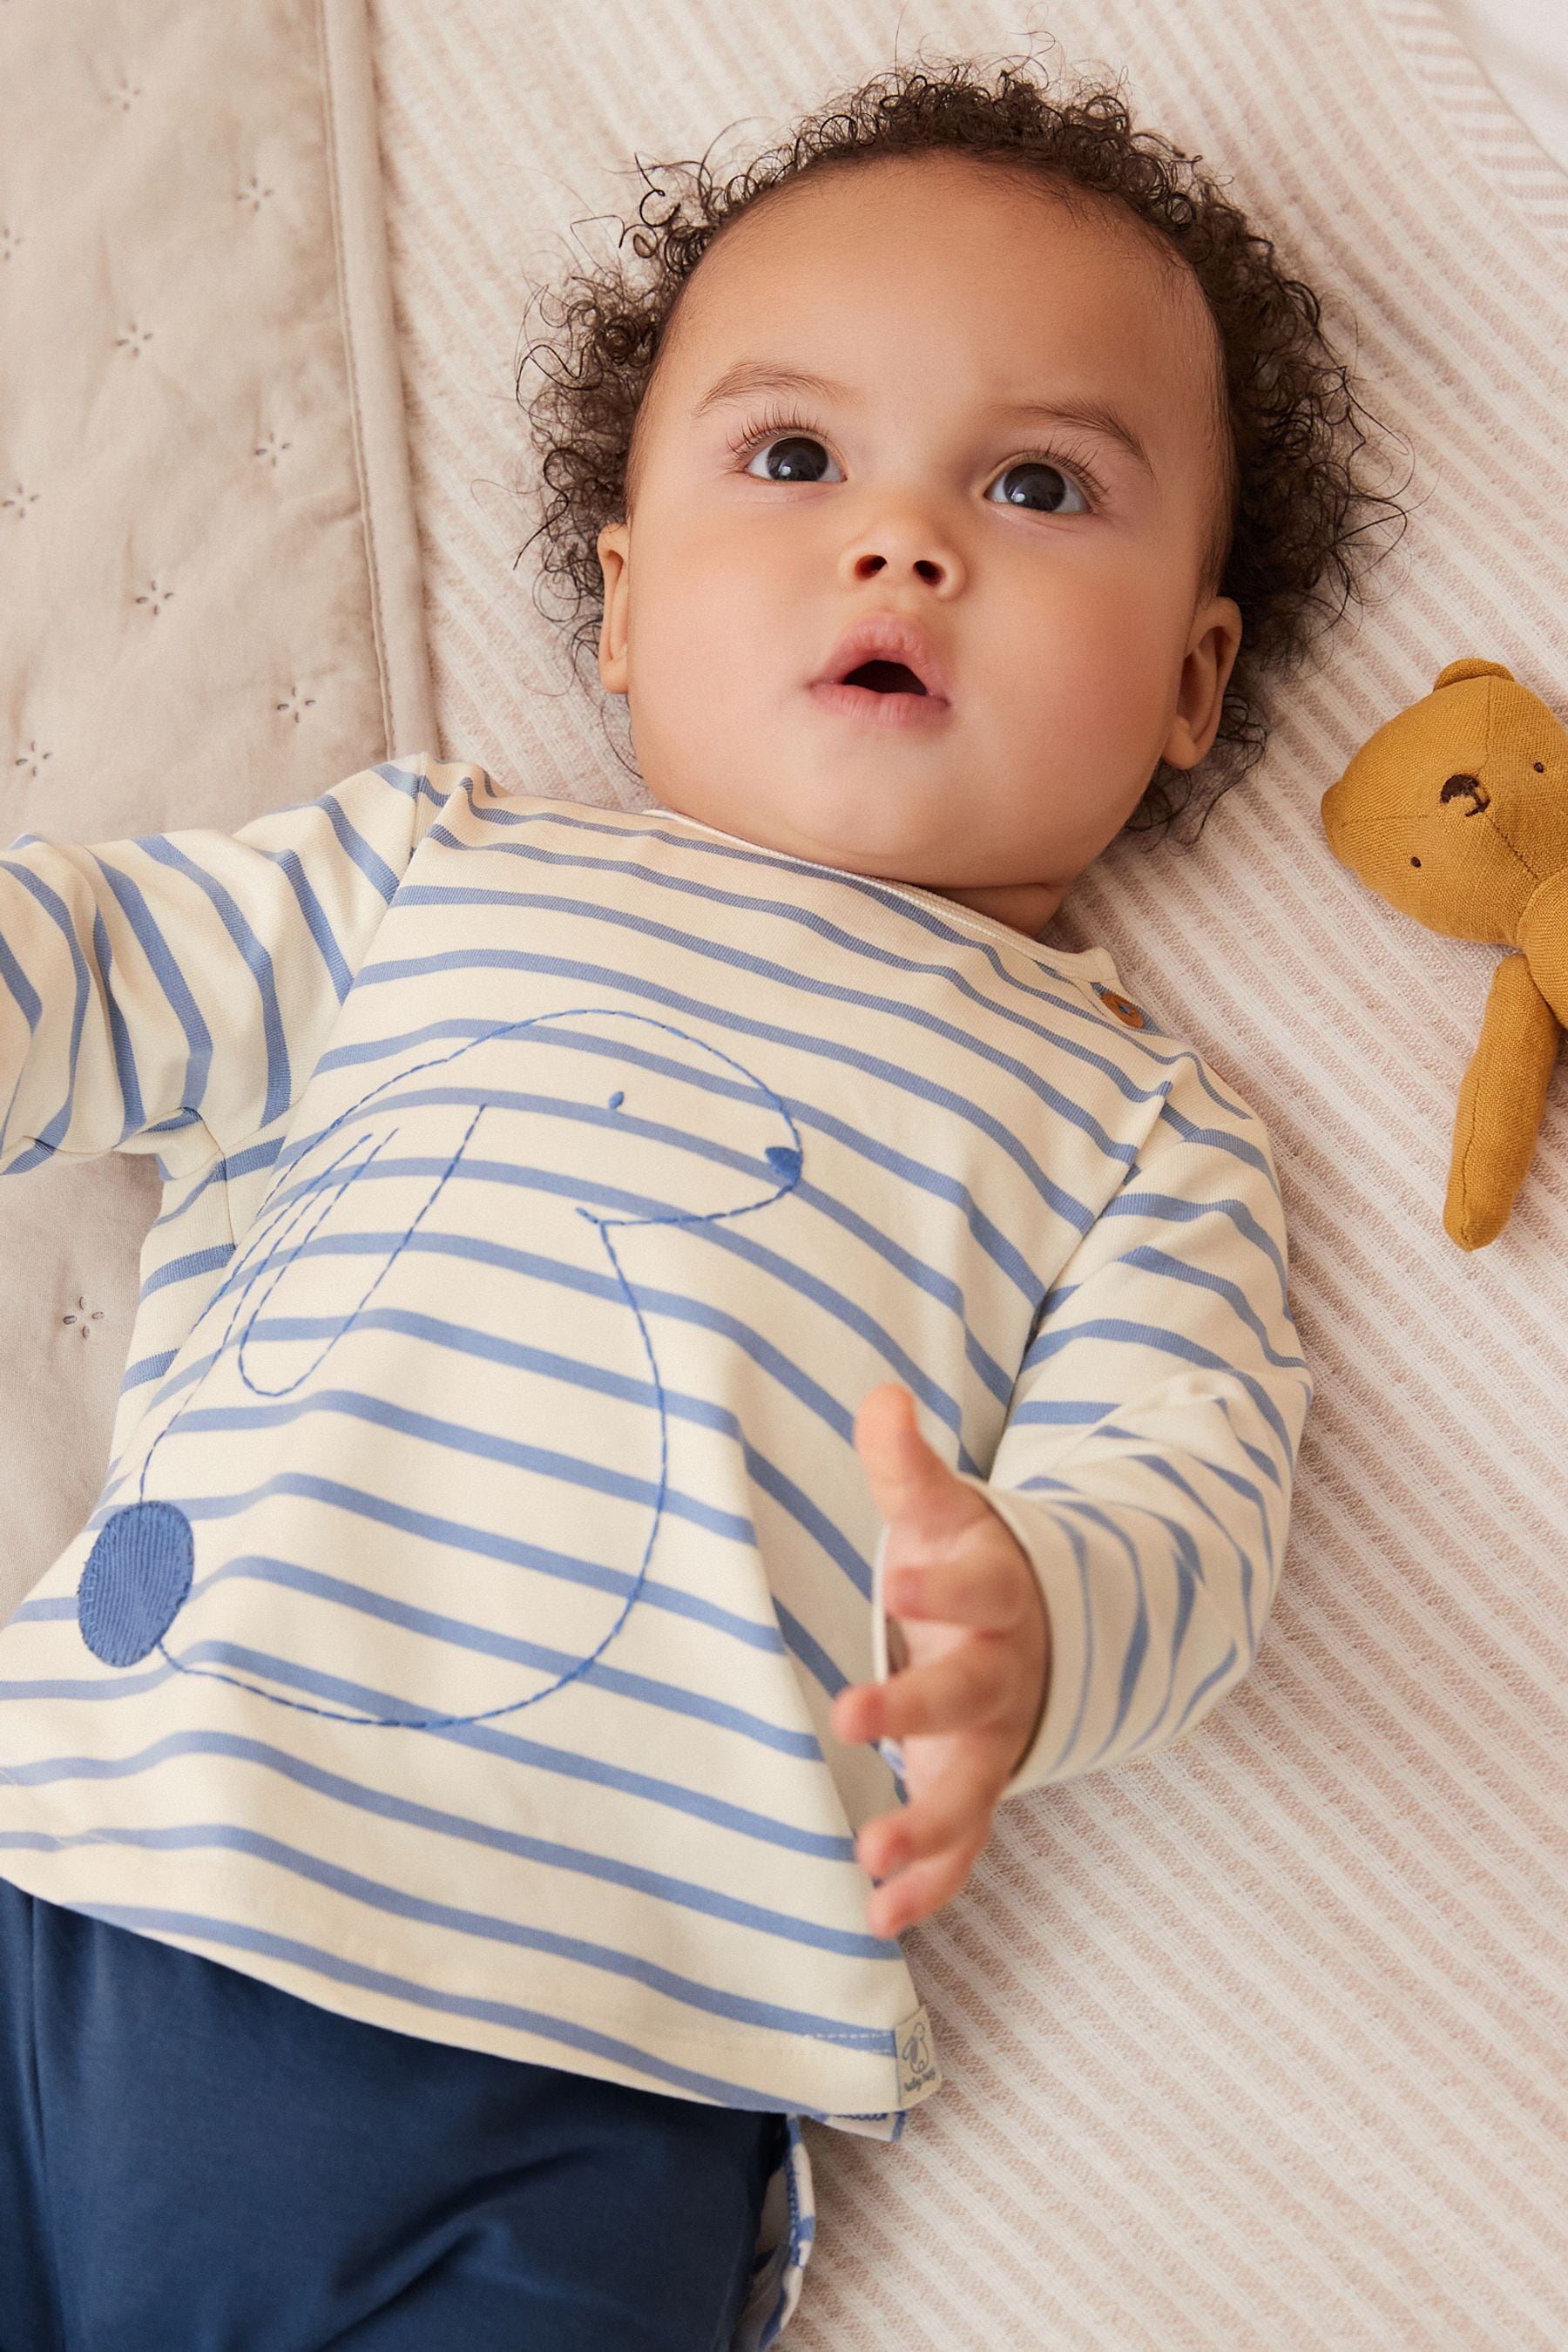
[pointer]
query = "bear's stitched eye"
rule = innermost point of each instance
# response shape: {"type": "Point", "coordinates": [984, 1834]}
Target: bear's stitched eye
{"type": "Point", "coordinates": [1415, 861]}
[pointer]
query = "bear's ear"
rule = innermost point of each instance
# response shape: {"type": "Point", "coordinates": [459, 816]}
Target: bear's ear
{"type": "Point", "coordinates": [1470, 668]}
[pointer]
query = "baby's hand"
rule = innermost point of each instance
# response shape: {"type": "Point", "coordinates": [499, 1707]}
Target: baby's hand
{"type": "Point", "coordinates": [967, 1704]}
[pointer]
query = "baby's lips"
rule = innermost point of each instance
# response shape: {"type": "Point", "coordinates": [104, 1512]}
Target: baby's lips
{"type": "Point", "coordinates": [888, 637]}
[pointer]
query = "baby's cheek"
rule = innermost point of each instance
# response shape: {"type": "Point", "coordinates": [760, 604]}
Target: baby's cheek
{"type": "Point", "coordinates": [711, 649]}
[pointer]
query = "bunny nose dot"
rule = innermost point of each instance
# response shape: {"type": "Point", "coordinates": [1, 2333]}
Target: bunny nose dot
{"type": "Point", "coordinates": [784, 1159]}
{"type": "Point", "coordinates": [136, 1579]}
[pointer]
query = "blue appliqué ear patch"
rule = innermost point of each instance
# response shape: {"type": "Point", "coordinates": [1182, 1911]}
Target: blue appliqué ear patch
{"type": "Point", "coordinates": [136, 1580]}
{"type": "Point", "coordinates": [784, 1159]}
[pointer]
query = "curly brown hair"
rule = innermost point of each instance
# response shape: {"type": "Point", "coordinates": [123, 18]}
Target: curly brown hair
{"type": "Point", "coordinates": [1303, 520]}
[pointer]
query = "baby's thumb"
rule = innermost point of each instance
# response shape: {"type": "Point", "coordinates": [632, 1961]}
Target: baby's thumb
{"type": "Point", "coordinates": [908, 1480]}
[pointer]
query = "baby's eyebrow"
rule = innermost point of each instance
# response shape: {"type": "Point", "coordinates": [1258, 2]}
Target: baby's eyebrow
{"type": "Point", "coordinates": [748, 377]}
{"type": "Point", "coordinates": [1094, 415]}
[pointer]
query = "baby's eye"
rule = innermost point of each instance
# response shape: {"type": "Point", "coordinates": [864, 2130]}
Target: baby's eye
{"type": "Point", "coordinates": [1043, 489]}
{"type": "Point", "coordinates": [791, 457]}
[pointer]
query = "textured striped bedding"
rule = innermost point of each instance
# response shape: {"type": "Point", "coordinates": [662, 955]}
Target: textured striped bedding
{"type": "Point", "coordinates": [1257, 2042]}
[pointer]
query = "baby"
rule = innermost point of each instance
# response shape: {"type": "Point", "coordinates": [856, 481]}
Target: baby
{"type": "Point", "coordinates": [687, 1354]}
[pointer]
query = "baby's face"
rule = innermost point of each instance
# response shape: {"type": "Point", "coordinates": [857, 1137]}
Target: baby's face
{"type": "Point", "coordinates": [918, 399]}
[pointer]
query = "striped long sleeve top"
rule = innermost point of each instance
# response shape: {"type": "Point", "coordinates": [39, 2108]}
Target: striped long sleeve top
{"type": "Point", "coordinates": [453, 1641]}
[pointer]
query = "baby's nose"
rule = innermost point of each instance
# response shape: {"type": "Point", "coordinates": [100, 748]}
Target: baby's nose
{"type": "Point", "coordinates": [926, 567]}
{"type": "Point", "coordinates": [899, 543]}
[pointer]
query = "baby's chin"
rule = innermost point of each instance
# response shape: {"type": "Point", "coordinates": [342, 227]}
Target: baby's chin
{"type": "Point", "coordinates": [908, 835]}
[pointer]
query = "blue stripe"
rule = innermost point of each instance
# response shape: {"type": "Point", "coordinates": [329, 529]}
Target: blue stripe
{"type": "Point", "coordinates": [30, 1003]}
{"type": "Point", "coordinates": [135, 1116]}
{"type": "Point", "coordinates": [1086, 1618]}
{"type": "Point", "coordinates": [416, 786]}
{"type": "Point", "coordinates": [1158, 1261]}
{"type": "Point", "coordinates": [15, 978]}
{"type": "Point", "coordinates": [279, 1084]}
{"type": "Point", "coordinates": [233, 1163]}
{"type": "Point", "coordinates": [809, 1650]}
{"type": "Point", "coordinates": [359, 852]}
{"type": "Point", "coordinates": [1175, 1211]}
{"type": "Point", "coordinates": [1053, 1413]}
{"type": "Point", "coordinates": [55, 1129]}
{"type": "Point", "coordinates": [1053, 1341]}
{"type": "Point", "coordinates": [170, 978]}
{"type": "Point", "coordinates": [339, 971]}
{"type": "Point", "coordinates": [1215, 1139]}
{"type": "Point", "coordinates": [184, 1269]}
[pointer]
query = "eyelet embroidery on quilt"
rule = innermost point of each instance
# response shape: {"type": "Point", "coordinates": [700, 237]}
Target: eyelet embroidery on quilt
{"type": "Point", "coordinates": [138, 1574]}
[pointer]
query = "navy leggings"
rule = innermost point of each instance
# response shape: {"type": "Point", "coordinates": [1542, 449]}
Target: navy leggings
{"type": "Point", "coordinates": [193, 2161]}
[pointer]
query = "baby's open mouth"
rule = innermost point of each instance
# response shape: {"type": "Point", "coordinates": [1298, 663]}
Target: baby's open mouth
{"type": "Point", "coordinates": [884, 678]}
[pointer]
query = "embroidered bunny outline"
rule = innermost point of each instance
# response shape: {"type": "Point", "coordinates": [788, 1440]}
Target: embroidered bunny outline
{"type": "Point", "coordinates": [140, 1573]}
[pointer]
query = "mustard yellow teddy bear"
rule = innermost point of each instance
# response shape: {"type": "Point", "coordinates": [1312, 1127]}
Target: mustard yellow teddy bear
{"type": "Point", "coordinates": [1456, 813]}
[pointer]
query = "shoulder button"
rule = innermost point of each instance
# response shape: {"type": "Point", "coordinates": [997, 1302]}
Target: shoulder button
{"type": "Point", "coordinates": [1122, 1006]}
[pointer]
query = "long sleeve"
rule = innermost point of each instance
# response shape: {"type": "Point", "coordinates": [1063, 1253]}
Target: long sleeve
{"type": "Point", "coordinates": [171, 992]}
{"type": "Point", "coordinates": [1146, 1463]}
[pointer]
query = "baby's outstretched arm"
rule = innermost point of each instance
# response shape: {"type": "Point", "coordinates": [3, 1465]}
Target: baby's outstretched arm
{"type": "Point", "coordinates": [170, 994]}
{"type": "Point", "coordinates": [1141, 1485]}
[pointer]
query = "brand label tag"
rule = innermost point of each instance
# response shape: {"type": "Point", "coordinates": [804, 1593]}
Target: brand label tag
{"type": "Point", "coordinates": [919, 2073]}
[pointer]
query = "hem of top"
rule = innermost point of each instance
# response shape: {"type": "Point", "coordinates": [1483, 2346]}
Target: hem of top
{"type": "Point", "coordinates": [703, 2049]}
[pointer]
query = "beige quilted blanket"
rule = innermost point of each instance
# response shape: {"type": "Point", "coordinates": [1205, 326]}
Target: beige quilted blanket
{"type": "Point", "coordinates": [1259, 2043]}
{"type": "Point", "coordinates": [209, 584]}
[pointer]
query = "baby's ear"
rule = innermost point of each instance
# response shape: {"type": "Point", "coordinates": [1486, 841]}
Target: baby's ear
{"type": "Point", "coordinates": [1469, 668]}
{"type": "Point", "coordinates": [614, 544]}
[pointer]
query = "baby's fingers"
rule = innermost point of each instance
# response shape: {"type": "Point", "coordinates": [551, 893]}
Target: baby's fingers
{"type": "Point", "coordinates": [919, 1891]}
{"type": "Point", "coordinates": [991, 1589]}
{"type": "Point", "coordinates": [953, 1810]}
{"type": "Point", "coordinates": [967, 1689]}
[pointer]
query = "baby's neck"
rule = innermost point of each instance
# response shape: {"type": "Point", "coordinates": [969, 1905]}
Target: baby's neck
{"type": "Point", "coordinates": [1026, 906]}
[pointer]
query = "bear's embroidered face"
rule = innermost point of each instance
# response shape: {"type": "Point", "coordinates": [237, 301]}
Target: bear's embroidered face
{"type": "Point", "coordinates": [1453, 812]}
{"type": "Point", "coordinates": [925, 400]}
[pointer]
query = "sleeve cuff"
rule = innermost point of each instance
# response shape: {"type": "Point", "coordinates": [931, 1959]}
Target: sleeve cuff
{"type": "Point", "coordinates": [1051, 1556]}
